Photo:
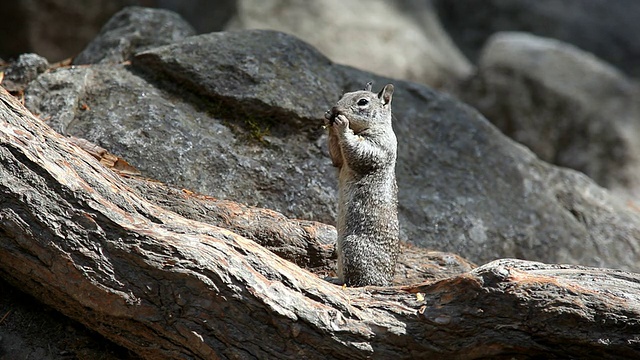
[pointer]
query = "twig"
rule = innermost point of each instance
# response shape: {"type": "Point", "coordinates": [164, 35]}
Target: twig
{"type": "Point", "coordinates": [5, 316]}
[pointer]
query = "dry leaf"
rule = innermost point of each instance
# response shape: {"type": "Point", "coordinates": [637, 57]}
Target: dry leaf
{"type": "Point", "coordinates": [106, 158]}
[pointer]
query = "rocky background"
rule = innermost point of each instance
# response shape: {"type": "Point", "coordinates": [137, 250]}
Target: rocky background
{"type": "Point", "coordinates": [518, 121]}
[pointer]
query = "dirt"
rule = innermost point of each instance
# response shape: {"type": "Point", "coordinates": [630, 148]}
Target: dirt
{"type": "Point", "coordinates": [32, 330]}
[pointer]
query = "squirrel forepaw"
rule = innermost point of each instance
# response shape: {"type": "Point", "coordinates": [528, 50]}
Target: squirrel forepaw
{"type": "Point", "coordinates": [341, 123]}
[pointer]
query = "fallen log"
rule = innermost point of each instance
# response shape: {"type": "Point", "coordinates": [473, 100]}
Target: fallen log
{"type": "Point", "coordinates": [308, 244]}
{"type": "Point", "coordinates": [87, 242]}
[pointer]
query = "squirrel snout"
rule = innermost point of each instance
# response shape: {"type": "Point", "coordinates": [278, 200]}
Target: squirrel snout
{"type": "Point", "coordinates": [331, 114]}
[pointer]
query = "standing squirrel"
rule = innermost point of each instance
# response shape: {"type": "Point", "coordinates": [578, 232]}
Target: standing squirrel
{"type": "Point", "coordinates": [363, 146]}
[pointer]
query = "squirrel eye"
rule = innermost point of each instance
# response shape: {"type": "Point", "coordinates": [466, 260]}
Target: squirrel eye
{"type": "Point", "coordinates": [363, 102]}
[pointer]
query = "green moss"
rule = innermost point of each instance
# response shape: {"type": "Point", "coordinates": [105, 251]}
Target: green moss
{"type": "Point", "coordinates": [257, 129]}
{"type": "Point", "coordinates": [248, 120]}
{"type": "Point", "coordinates": [248, 125]}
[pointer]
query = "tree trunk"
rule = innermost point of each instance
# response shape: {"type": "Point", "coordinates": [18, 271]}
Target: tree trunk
{"type": "Point", "coordinates": [103, 250]}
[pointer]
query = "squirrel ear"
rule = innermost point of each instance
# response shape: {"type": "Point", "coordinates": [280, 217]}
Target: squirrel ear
{"type": "Point", "coordinates": [386, 93]}
{"type": "Point", "coordinates": [368, 87]}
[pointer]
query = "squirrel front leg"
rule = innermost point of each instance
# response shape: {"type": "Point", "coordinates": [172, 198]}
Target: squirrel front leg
{"type": "Point", "coordinates": [334, 148]}
{"type": "Point", "coordinates": [335, 152]}
{"type": "Point", "coordinates": [355, 149]}
{"type": "Point", "coordinates": [340, 130]}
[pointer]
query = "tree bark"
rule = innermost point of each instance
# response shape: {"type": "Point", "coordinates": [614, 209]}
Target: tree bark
{"type": "Point", "coordinates": [137, 262]}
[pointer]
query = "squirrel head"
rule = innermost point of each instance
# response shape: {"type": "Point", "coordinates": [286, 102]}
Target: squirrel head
{"type": "Point", "coordinates": [364, 109]}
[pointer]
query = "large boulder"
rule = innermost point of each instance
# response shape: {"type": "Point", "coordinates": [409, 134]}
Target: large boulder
{"type": "Point", "coordinates": [26, 68]}
{"type": "Point", "coordinates": [131, 30]}
{"type": "Point", "coordinates": [235, 127]}
{"type": "Point", "coordinates": [238, 115]}
{"type": "Point", "coordinates": [566, 105]}
{"type": "Point", "coordinates": [397, 39]}
{"type": "Point", "coordinates": [606, 28]}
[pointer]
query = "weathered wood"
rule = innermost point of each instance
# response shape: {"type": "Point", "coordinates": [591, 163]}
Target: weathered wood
{"type": "Point", "coordinates": [308, 244]}
{"type": "Point", "coordinates": [85, 241]}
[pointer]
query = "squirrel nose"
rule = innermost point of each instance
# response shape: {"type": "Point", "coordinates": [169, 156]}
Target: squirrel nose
{"type": "Point", "coordinates": [330, 114]}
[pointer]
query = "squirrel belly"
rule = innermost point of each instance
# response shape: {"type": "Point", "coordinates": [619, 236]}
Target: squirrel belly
{"type": "Point", "coordinates": [363, 146]}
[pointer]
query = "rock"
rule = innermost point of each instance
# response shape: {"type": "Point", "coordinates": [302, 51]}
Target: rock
{"type": "Point", "coordinates": [194, 143]}
{"type": "Point", "coordinates": [566, 105]}
{"type": "Point", "coordinates": [246, 73]}
{"type": "Point", "coordinates": [239, 118]}
{"type": "Point", "coordinates": [606, 28]}
{"type": "Point", "coordinates": [24, 70]}
{"type": "Point", "coordinates": [402, 40]}
{"type": "Point", "coordinates": [134, 29]}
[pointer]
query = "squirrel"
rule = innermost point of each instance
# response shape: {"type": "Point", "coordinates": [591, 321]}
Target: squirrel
{"type": "Point", "coordinates": [363, 147]}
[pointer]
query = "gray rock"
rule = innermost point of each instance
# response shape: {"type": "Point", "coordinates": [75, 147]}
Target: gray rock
{"type": "Point", "coordinates": [187, 114]}
{"type": "Point", "coordinates": [606, 28]}
{"type": "Point", "coordinates": [566, 105]}
{"type": "Point", "coordinates": [188, 141]}
{"type": "Point", "coordinates": [400, 39]}
{"type": "Point", "coordinates": [26, 68]}
{"type": "Point", "coordinates": [131, 30]}
{"type": "Point", "coordinates": [247, 73]}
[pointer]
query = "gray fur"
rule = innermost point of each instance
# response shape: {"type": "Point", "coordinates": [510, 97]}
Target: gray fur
{"type": "Point", "coordinates": [363, 147]}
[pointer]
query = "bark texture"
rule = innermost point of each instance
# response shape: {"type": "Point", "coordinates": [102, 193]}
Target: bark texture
{"type": "Point", "coordinates": [104, 250]}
